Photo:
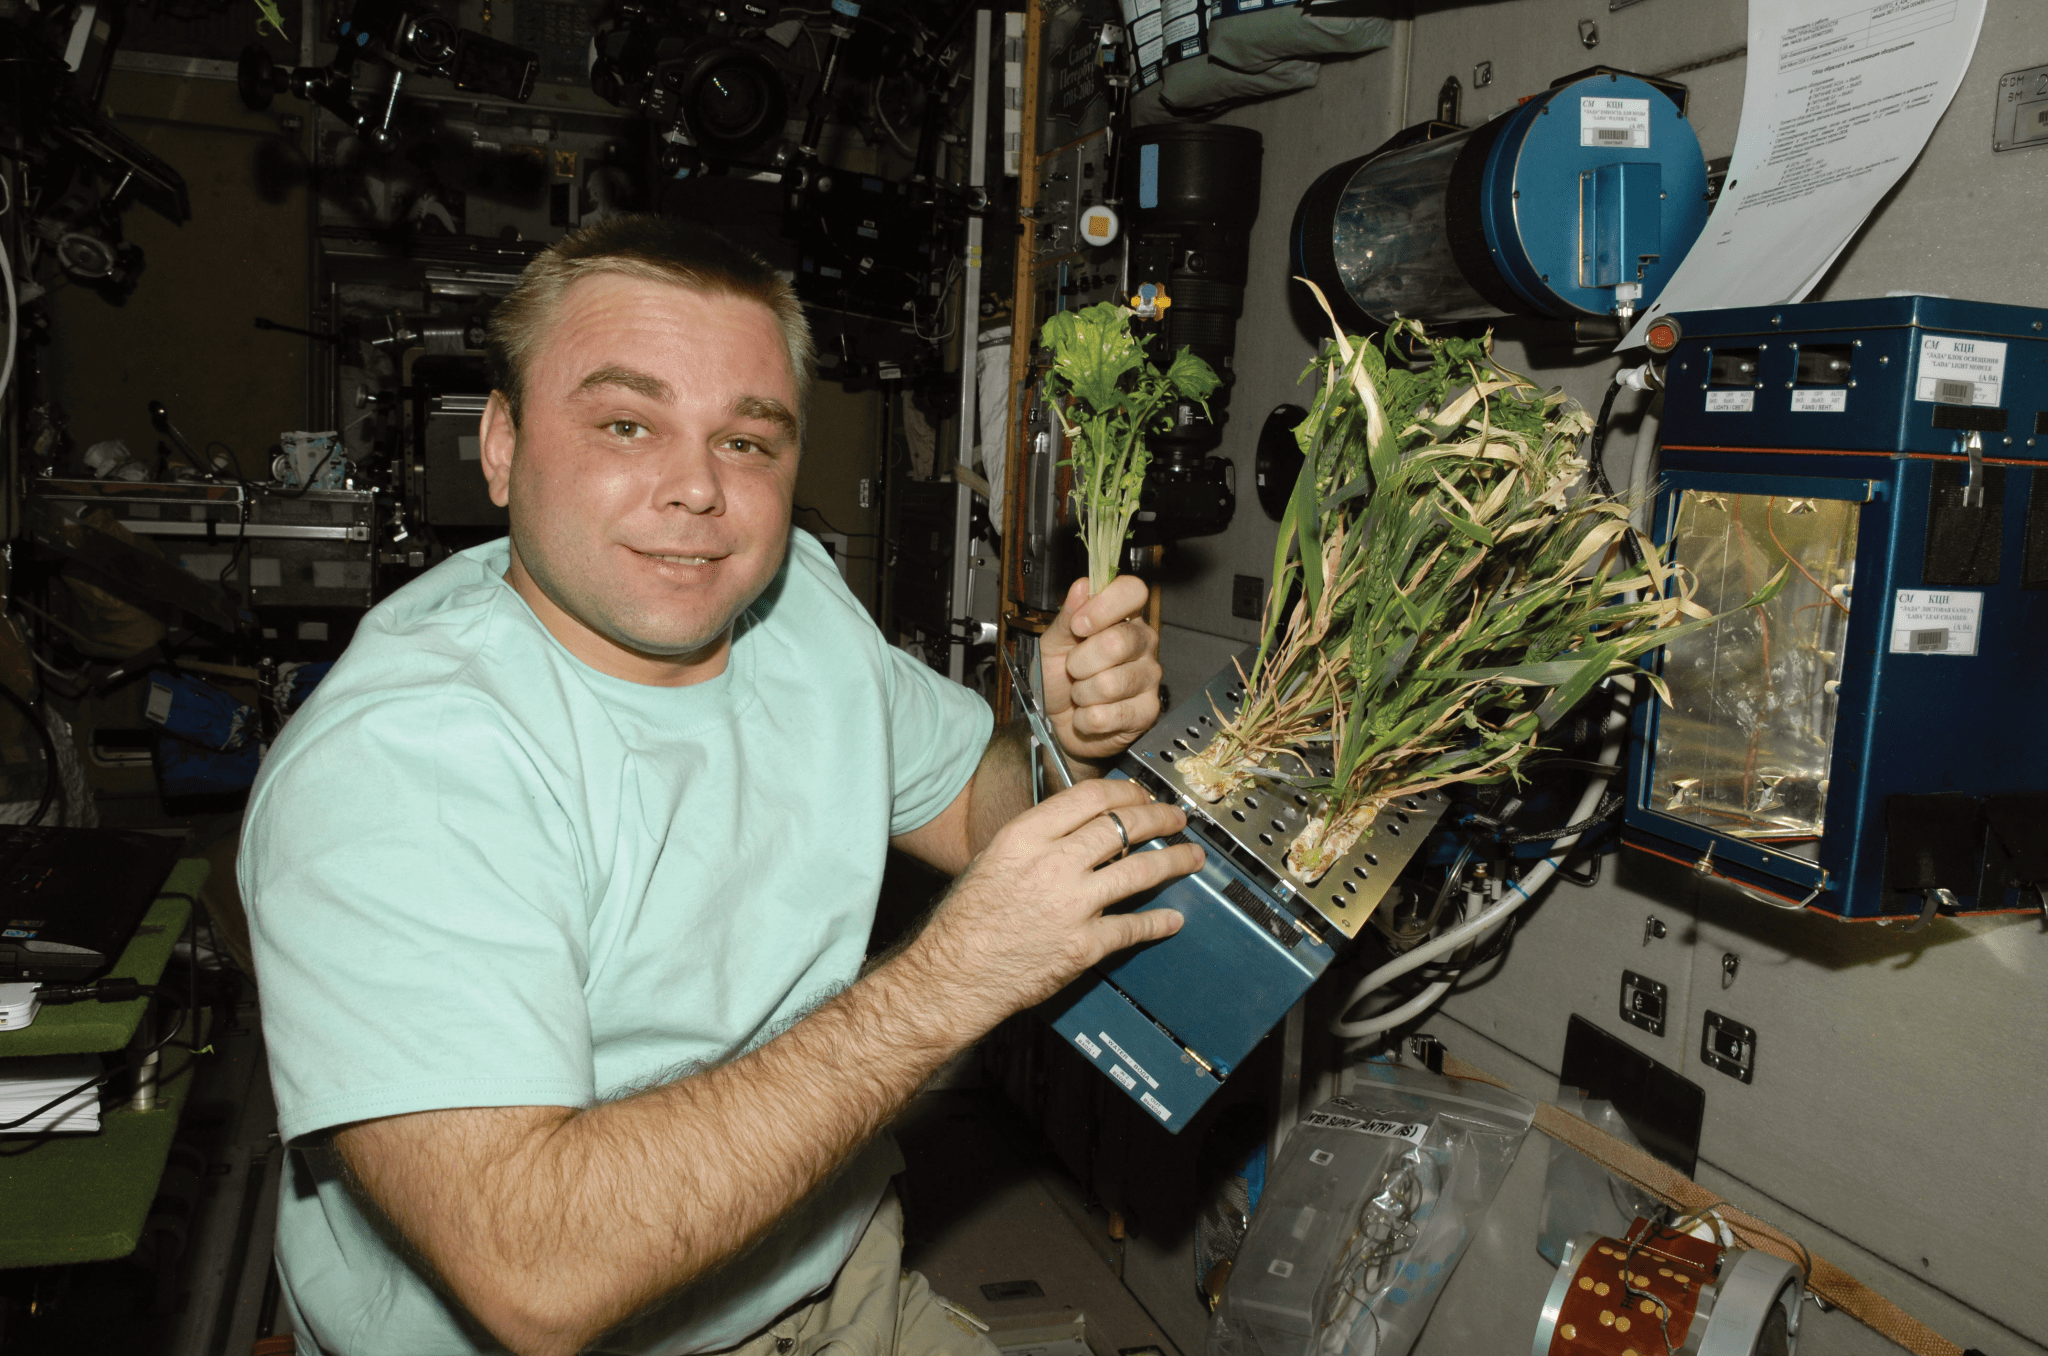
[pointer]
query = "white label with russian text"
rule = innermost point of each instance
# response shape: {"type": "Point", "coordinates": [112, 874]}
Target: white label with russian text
{"type": "Point", "coordinates": [1819, 402]}
{"type": "Point", "coordinates": [1128, 1083]}
{"type": "Point", "coordinates": [1153, 1105]}
{"type": "Point", "coordinates": [1093, 1050]}
{"type": "Point", "coordinates": [1730, 402]}
{"type": "Point", "coordinates": [1936, 621]}
{"type": "Point", "coordinates": [1623, 123]}
{"type": "Point", "coordinates": [1948, 364]}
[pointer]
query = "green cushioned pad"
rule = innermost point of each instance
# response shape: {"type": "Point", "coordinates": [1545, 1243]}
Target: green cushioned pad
{"type": "Point", "coordinates": [91, 1028]}
{"type": "Point", "coordinates": [83, 1198]}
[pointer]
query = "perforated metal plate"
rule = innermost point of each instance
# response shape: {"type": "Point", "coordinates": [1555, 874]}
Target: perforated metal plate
{"type": "Point", "coordinates": [1260, 821]}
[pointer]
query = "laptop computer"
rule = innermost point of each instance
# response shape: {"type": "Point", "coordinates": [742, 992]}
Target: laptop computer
{"type": "Point", "coordinates": [71, 898]}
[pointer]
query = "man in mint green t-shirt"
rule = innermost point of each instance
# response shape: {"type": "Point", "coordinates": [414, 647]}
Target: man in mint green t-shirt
{"type": "Point", "coordinates": [561, 884]}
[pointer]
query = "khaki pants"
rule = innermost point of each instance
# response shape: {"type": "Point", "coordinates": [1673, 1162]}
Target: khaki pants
{"type": "Point", "coordinates": [874, 1308]}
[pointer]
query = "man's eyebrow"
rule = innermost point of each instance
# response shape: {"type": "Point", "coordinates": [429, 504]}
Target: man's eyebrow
{"type": "Point", "coordinates": [640, 383]}
{"type": "Point", "coordinates": [768, 409]}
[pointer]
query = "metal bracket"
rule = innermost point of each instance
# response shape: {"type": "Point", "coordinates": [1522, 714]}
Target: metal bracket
{"type": "Point", "coordinates": [1644, 1002]}
{"type": "Point", "coordinates": [1973, 488]}
{"type": "Point", "coordinates": [1937, 900]}
{"type": "Point", "coordinates": [1729, 1046]}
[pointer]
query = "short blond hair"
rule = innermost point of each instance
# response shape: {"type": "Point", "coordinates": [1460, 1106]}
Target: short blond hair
{"type": "Point", "coordinates": [657, 249]}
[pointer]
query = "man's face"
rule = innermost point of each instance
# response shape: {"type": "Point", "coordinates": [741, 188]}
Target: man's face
{"type": "Point", "coordinates": [651, 478]}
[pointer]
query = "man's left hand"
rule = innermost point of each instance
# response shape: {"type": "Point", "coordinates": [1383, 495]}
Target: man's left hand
{"type": "Point", "coordinates": [1101, 670]}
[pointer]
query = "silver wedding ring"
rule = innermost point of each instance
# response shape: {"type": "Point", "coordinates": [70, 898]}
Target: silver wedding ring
{"type": "Point", "coordinates": [1121, 833]}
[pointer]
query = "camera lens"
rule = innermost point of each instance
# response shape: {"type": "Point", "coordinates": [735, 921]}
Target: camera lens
{"type": "Point", "coordinates": [732, 101]}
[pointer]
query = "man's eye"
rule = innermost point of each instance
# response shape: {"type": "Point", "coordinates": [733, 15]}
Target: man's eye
{"type": "Point", "coordinates": [626, 428]}
{"type": "Point", "coordinates": [745, 445]}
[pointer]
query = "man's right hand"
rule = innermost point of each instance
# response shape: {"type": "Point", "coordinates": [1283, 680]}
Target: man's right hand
{"type": "Point", "coordinates": [552, 1224]}
{"type": "Point", "coordinates": [1027, 915]}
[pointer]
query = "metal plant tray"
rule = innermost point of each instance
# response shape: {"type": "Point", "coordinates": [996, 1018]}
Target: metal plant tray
{"type": "Point", "coordinates": [1262, 820]}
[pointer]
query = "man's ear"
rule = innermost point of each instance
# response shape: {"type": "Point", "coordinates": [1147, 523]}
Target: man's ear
{"type": "Point", "coordinates": [497, 438]}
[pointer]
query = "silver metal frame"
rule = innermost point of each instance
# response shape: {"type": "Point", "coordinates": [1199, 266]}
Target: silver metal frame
{"type": "Point", "coordinates": [1262, 821]}
{"type": "Point", "coordinates": [970, 340]}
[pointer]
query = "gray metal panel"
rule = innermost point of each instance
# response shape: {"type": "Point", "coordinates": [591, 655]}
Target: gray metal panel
{"type": "Point", "coordinates": [1949, 228]}
{"type": "Point", "coordinates": [1891, 1072]}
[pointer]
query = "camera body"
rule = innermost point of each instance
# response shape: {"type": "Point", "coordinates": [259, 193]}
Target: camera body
{"type": "Point", "coordinates": [696, 71]}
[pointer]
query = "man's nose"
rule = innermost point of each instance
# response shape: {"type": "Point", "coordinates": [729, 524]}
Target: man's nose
{"type": "Point", "coordinates": [688, 478]}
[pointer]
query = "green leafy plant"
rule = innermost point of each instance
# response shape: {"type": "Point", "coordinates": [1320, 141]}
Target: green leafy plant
{"type": "Point", "coordinates": [1441, 595]}
{"type": "Point", "coordinates": [267, 12]}
{"type": "Point", "coordinates": [1108, 396]}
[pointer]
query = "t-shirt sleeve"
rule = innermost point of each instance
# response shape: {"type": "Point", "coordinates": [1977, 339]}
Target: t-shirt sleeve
{"type": "Point", "coordinates": [937, 731]}
{"type": "Point", "coordinates": [416, 910]}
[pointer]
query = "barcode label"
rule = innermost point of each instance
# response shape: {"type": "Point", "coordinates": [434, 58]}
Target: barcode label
{"type": "Point", "coordinates": [1615, 135]}
{"type": "Point", "coordinates": [1930, 621]}
{"type": "Point", "coordinates": [1958, 371]}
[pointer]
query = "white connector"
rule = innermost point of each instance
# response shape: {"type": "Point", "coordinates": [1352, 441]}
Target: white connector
{"type": "Point", "coordinates": [1644, 378]}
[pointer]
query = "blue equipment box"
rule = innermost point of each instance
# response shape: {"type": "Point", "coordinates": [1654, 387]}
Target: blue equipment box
{"type": "Point", "coordinates": [1868, 744]}
{"type": "Point", "coordinates": [1170, 1021]}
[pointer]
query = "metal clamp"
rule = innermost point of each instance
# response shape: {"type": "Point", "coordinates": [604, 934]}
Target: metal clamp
{"type": "Point", "coordinates": [1937, 900]}
{"type": "Point", "coordinates": [1973, 488]}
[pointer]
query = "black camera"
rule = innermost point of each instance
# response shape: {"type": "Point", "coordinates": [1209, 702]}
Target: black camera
{"type": "Point", "coordinates": [697, 72]}
{"type": "Point", "coordinates": [413, 42]}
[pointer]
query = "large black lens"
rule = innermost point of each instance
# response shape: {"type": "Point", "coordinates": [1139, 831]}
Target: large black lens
{"type": "Point", "coordinates": [732, 101]}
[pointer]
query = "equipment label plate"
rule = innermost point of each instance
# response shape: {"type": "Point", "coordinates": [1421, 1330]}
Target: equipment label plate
{"type": "Point", "coordinates": [1621, 123]}
{"type": "Point", "coordinates": [1927, 621]}
{"type": "Point", "coordinates": [1960, 371]}
{"type": "Point", "coordinates": [1730, 402]}
{"type": "Point", "coordinates": [1819, 402]}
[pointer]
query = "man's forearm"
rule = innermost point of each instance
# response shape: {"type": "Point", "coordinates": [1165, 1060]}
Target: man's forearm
{"type": "Point", "coordinates": [553, 1225]}
{"type": "Point", "coordinates": [582, 1218]}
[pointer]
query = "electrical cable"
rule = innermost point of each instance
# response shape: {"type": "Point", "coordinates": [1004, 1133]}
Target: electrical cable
{"type": "Point", "coordinates": [119, 994]}
{"type": "Point", "coordinates": [875, 102]}
{"type": "Point", "coordinates": [806, 508]}
{"type": "Point", "coordinates": [1483, 922]}
{"type": "Point", "coordinates": [52, 778]}
{"type": "Point", "coordinates": [13, 323]}
{"type": "Point", "coordinates": [1598, 448]}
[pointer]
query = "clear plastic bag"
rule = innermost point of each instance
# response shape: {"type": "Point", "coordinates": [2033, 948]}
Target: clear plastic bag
{"type": "Point", "coordinates": [1581, 1197]}
{"type": "Point", "coordinates": [1366, 1214]}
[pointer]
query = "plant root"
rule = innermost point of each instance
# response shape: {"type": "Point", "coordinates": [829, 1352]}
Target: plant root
{"type": "Point", "coordinates": [1209, 781]}
{"type": "Point", "coordinates": [1320, 844]}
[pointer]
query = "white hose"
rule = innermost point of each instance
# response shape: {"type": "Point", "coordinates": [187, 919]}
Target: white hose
{"type": "Point", "coordinates": [1519, 893]}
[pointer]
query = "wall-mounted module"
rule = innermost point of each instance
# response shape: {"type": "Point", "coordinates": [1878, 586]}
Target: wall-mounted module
{"type": "Point", "coordinates": [1578, 203]}
{"type": "Point", "coordinates": [1869, 743]}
